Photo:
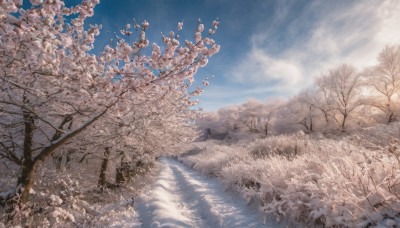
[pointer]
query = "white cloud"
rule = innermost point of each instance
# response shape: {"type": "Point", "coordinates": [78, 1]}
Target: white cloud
{"type": "Point", "coordinates": [259, 67]}
{"type": "Point", "coordinates": [348, 33]}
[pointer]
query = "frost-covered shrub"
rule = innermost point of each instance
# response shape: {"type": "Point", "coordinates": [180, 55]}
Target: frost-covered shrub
{"type": "Point", "coordinates": [334, 182]}
{"type": "Point", "coordinates": [214, 157]}
{"type": "Point", "coordinates": [288, 146]}
{"type": "Point", "coordinates": [376, 137]}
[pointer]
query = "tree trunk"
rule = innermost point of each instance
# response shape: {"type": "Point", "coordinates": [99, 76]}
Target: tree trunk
{"type": "Point", "coordinates": [123, 172]}
{"type": "Point", "coordinates": [26, 177]}
{"type": "Point", "coordinates": [266, 128]}
{"type": "Point", "coordinates": [28, 168]}
{"type": "Point", "coordinates": [391, 118]}
{"type": "Point", "coordinates": [391, 114]}
{"type": "Point", "coordinates": [102, 178]}
{"type": "Point", "coordinates": [326, 118]}
{"type": "Point", "coordinates": [208, 133]}
{"type": "Point", "coordinates": [25, 180]}
{"type": "Point", "coordinates": [344, 122]}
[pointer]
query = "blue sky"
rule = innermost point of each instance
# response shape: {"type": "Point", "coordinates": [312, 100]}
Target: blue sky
{"type": "Point", "coordinates": [268, 47]}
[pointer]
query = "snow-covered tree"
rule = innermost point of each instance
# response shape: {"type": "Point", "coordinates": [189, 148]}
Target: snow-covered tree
{"type": "Point", "coordinates": [343, 84]}
{"type": "Point", "coordinates": [384, 78]}
{"type": "Point", "coordinates": [132, 133]}
{"type": "Point", "coordinates": [257, 115]}
{"type": "Point", "coordinates": [295, 115]}
{"type": "Point", "coordinates": [52, 88]}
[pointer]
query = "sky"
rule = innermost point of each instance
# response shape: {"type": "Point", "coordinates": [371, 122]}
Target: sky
{"type": "Point", "coordinates": [269, 48]}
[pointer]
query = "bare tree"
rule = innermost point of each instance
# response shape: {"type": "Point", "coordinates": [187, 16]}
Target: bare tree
{"type": "Point", "coordinates": [385, 79]}
{"type": "Point", "coordinates": [322, 101]}
{"type": "Point", "coordinates": [257, 115]}
{"type": "Point", "coordinates": [343, 85]}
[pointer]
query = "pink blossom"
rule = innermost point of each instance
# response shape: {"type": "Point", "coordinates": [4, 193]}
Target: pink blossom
{"type": "Point", "coordinates": [145, 24]}
{"type": "Point", "coordinates": [200, 28]}
{"type": "Point", "coordinates": [18, 2]}
{"type": "Point", "coordinates": [180, 25]}
{"type": "Point", "coordinates": [215, 23]}
{"type": "Point", "coordinates": [198, 37]}
{"type": "Point", "coordinates": [36, 2]}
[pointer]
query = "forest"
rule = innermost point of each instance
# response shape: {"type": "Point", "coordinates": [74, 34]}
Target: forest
{"type": "Point", "coordinates": [81, 134]}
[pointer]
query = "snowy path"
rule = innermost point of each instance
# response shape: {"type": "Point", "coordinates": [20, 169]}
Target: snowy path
{"type": "Point", "coordinates": [181, 197]}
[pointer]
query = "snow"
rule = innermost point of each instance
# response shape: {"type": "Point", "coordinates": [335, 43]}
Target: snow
{"type": "Point", "coordinates": [119, 214]}
{"type": "Point", "coordinates": [56, 199]}
{"type": "Point", "coordinates": [181, 197]}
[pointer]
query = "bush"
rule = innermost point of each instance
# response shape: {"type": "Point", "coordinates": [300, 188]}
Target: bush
{"type": "Point", "coordinates": [310, 179]}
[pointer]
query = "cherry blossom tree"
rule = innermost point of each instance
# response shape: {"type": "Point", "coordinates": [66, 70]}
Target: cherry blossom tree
{"type": "Point", "coordinates": [132, 133]}
{"type": "Point", "coordinates": [52, 89]}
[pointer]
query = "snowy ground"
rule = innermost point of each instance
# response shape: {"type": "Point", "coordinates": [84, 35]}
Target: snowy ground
{"type": "Point", "coordinates": [181, 197]}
